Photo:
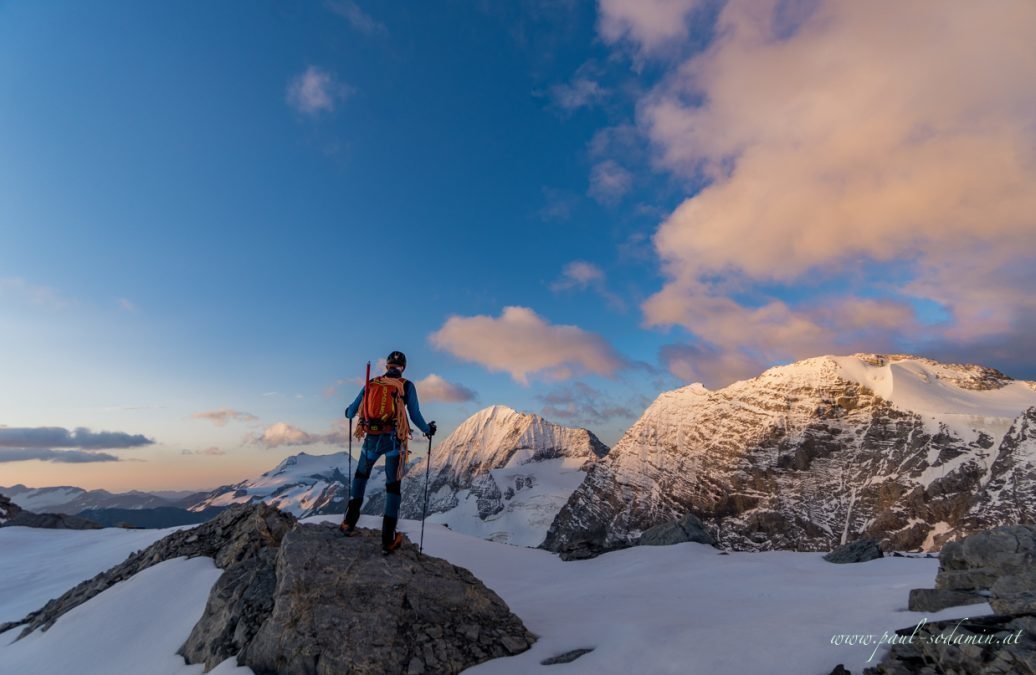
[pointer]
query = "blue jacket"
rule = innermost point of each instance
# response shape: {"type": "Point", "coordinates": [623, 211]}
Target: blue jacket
{"type": "Point", "coordinates": [409, 397]}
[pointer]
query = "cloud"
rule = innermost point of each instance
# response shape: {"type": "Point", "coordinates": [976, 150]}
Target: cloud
{"type": "Point", "coordinates": [126, 305]}
{"type": "Point", "coordinates": [435, 388]}
{"type": "Point", "coordinates": [282, 433]}
{"type": "Point", "coordinates": [357, 18]}
{"type": "Point", "coordinates": [650, 25]}
{"type": "Point", "coordinates": [211, 451]}
{"type": "Point", "coordinates": [58, 437]}
{"type": "Point", "coordinates": [34, 294]}
{"type": "Point", "coordinates": [558, 205]}
{"type": "Point", "coordinates": [583, 90]}
{"type": "Point", "coordinates": [609, 182]}
{"type": "Point", "coordinates": [522, 343]}
{"type": "Point", "coordinates": [315, 91]}
{"type": "Point", "coordinates": [223, 415]}
{"type": "Point", "coordinates": [8, 454]}
{"type": "Point", "coordinates": [711, 366]}
{"type": "Point", "coordinates": [899, 165]}
{"type": "Point", "coordinates": [580, 403]}
{"type": "Point", "coordinates": [582, 275]}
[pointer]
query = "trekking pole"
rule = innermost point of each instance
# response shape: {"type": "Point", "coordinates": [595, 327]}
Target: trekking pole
{"type": "Point", "coordinates": [349, 476]}
{"type": "Point", "coordinates": [424, 512]}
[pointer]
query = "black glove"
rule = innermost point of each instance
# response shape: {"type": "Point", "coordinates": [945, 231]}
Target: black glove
{"type": "Point", "coordinates": [431, 429]}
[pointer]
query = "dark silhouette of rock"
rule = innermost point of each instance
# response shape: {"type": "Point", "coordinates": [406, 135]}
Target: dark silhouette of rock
{"type": "Point", "coordinates": [12, 515]}
{"type": "Point", "coordinates": [567, 657]}
{"type": "Point", "coordinates": [860, 550]}
{"type": "Point", "coordinates": [688, 528]}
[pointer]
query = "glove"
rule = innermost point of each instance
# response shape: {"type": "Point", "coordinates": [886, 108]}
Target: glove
{"type": "Point", "coordinates": [431, 429]}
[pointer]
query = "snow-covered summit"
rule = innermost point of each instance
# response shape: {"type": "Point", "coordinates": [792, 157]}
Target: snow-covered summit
{"type": "Point", "coordinates": [808, 454]}
{"type": "Point", "coordinates": [501, 474]}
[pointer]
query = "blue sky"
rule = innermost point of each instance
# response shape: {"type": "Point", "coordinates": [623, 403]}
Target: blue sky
{"type": "Point", "coordinates": [233, 206]}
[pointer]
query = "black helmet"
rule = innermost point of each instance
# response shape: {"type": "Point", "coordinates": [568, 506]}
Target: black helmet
{"type": "Point", "coordinates": [396, 359]}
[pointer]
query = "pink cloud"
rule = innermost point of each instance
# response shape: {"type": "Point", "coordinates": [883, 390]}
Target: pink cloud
{"type": "Point", "coordinates": [521, 343]}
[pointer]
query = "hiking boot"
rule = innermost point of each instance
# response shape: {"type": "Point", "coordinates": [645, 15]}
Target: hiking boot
{"type": "Point", "coordinates": [352, 514]}
{"type": "Point", "coordinates": [396, 542]}
{"type": "Point", "coordinates": [390, 539]}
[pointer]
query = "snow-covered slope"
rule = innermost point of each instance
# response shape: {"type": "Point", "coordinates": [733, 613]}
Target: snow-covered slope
{"type": "Point", "coordinates": [667, 609]}
{"type": "Point", "coordinates": [501, 475]}
{"type": "Point", "coordinates": [825, 450]}
{"type": "Point", "coordinates": [302, 484]}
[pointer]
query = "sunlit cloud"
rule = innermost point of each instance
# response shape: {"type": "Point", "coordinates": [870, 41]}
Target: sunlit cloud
{"type": "Point", "coordinates": [282, 433]}
{"type": "Point", "coordinates": [221, 416]}
{"type": "Point", "coordinates": [521, 343]}
{"type": "Point", "coordinates": [59, 456]}
{"type": "Point", "coordinates": [910, 144]}
{"type": "Point", "coordinates": [435, 388]}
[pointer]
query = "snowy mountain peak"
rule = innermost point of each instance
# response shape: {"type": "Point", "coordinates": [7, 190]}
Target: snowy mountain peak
{"type": "Point", "coordinates": [813, 453]}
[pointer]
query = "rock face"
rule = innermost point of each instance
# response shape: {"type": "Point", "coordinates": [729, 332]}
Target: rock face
{"type": "Point", "coordinates": [304, 599]}
{"type": "Point", "coordinates": [11, 515]}
{"type": "Point", "coordinates": [904, 450]}
{"type": "Point", "coordinates": [1001, 561]}
{"type": "Point", "coordinates": [861, 550]}
{"type": "Point", "coordinates": [688, 528]}
{"type": "Point", "coordinates": [502, 475]}
{"type": "Point", "coordinates": [339, 606]}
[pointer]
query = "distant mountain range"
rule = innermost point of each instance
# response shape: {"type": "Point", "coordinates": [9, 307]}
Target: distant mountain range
{"type": "Point", "coordinates": [805, 456]}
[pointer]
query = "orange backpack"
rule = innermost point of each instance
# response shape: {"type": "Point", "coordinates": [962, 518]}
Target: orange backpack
{"type": "Point", "coordinates": [383, 402]}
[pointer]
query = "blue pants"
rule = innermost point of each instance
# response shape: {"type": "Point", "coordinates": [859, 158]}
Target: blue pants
{"type": "Point", "coordinates": [374, 446]}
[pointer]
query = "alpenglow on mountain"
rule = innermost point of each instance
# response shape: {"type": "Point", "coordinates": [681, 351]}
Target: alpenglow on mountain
{"type": "Point", "coordinates": [806, 456]}
{"type": "Point", "coordinates": [501, 475]}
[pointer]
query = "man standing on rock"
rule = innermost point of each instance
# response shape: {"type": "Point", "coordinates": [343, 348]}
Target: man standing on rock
{"type": "Point", "coordinates": [383, 405]}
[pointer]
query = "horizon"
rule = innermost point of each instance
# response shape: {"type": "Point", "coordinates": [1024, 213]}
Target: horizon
{"type": "Point", "coordinates": [215, 216]}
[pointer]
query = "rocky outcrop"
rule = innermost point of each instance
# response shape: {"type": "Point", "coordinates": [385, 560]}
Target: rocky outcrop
{"type": "Point", "coordinates": [809, 456]}
{"type": "Point", "coordinates": [304, 599]}
{"type": "Point", "coordinates": [338, 606]}
{"type": "Point", "coordinates": [687, 529]}
{"type": "Point", "coordinates": [996, 566]}
{"type": "Point", "coordinates": [233, 537]}
{"type": "Point", "coordinates": [985, 645]}
{"type": "Point", "coordinates": [11, 515]}
{"type": "Point", "coordinates": [861, 550]}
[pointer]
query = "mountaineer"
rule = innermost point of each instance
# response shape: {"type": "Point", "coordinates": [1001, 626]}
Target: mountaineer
{"type": "Point", "coordinates": [383, 405]}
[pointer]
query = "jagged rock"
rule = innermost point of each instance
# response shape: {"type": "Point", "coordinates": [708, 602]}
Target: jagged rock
{"type": "Point", "coordinates": [566, 657]}
{"type": "Point", "coordinates": [340, 606]}
{"type": "Point", "coordinates": [934, 600]}
{"type": "Point", "coordinates": [237, 534]}
{"type": "Point", "coordinates": [988, 645]}
{"type": "Point", "coordinates": [689, 528]}
{"type": "Point", "coordinates": [12, 515]}
{"type": "Point", "coordinates": [807, 454]}
{"type": "Point", "coordinates": [978, 561]}
{"type": "Point", "coordinates": [1014, 593]}
{"type": "Point", "coordinates": [857, 551]}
